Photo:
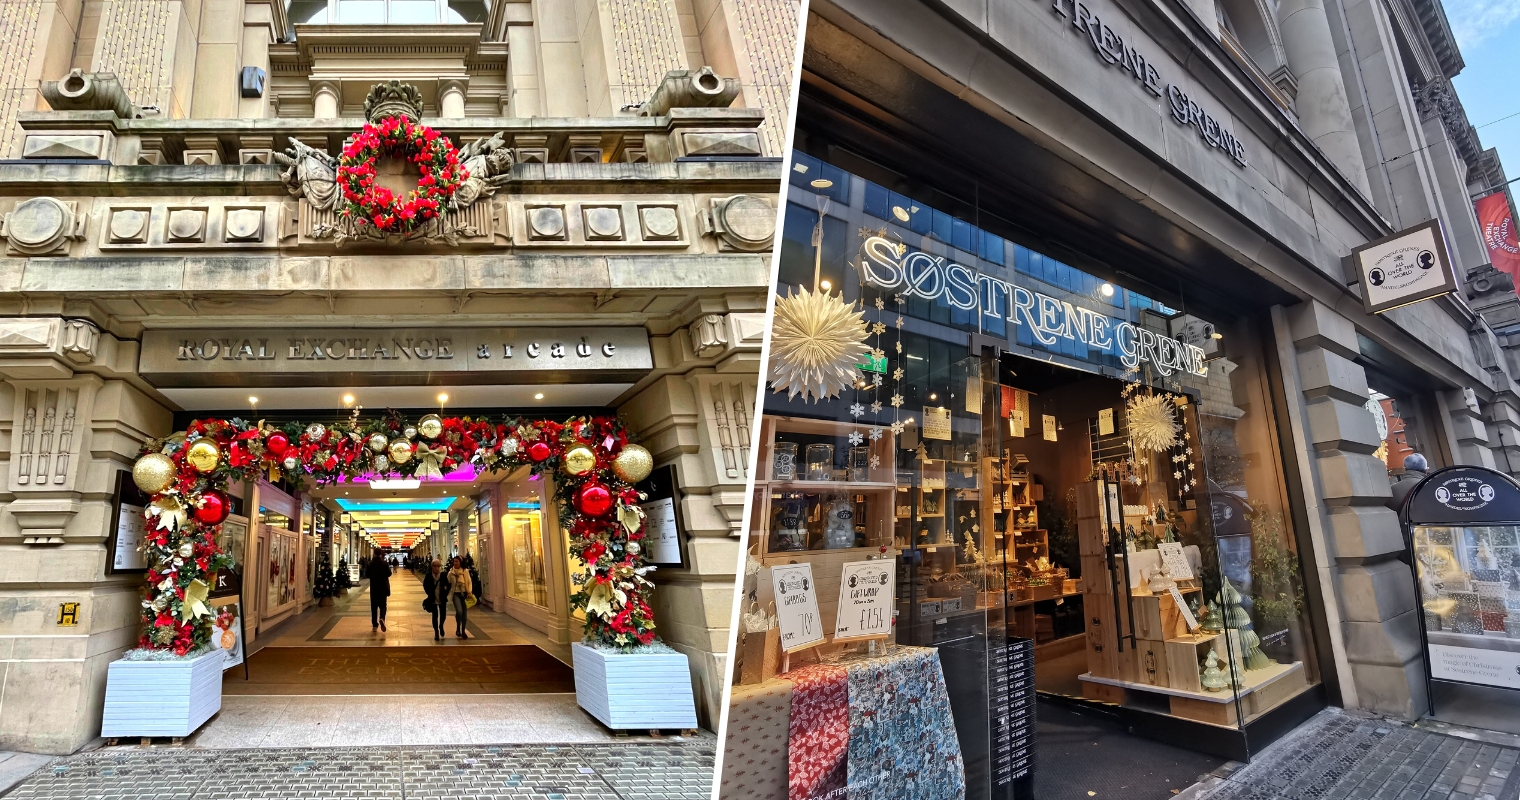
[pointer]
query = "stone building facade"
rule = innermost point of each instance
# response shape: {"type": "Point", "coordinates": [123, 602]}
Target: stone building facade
{"type": "Point", "coordinates": [1232, 153]}
{"type": "Point", "coordinates": [174, 181]}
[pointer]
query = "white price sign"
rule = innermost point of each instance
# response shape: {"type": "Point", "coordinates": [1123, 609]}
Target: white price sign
{"type": "Point", "coordinates": [1175, 561]}
{"type": "Point", "coordinates": [796, 606]}
{"type": "Point", "coordinates": [865, 600]}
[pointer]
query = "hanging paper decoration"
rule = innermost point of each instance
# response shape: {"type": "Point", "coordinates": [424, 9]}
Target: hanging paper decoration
{"type": "Point", "coordinates": [816, 341]}
{"type": "Point", "coordinates": [188, 501]}
{"type": "Point", "coordinates": [1152, 423]}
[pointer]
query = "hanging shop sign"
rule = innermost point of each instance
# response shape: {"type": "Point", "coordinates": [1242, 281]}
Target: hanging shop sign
{"type": "Point", "coordinates": [894, 267]}
{"type": "Point", "coordinates": [1497, 225]}
{"type": "Point", "coordinates": [1111, 48]}
{"type": "Point", "coordinates": [343, 356]}
{"type": "Point", "coordinates": [1407, 267]}
{"type": "Point", "coordinates": [1459, 528]}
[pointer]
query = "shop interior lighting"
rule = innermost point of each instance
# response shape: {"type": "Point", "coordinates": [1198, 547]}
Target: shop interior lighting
{"type": "Point", "coordinates": [1216, 335]}
{"type": "Point", "coordinates": [538, 396]}
{"type": "Point", "coordinates": [915, 358]}
{"type": "Point", "coordinates": [395, 483]}
{"type": "Point", "coordinates": [933, 396]}
{"type": "Point", "coordinates": [348, 399]}
{"type": "Point", "coordinates": [396, 512]}
{"type": "Point", "coordinates": [901, 213]}
{"type": "Point", "coordinates": [825, 285]}
{"type": "Point", "coordinates": [1107, 290]}
{"type": "Point", "coordinates": [443, 397]}
{"type": "Point", "coordinates": [822, 183]}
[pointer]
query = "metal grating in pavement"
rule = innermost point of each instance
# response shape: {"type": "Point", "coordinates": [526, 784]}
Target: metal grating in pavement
{"type": "Point", "coordinates": [674, 770]}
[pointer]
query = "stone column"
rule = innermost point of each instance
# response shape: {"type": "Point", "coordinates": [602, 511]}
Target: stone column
{"type": "Point", "coordinates": [451, 99]}
{"type": "Point", "coordinates": [1502, 417]}
{"type": "Point", "coordinates": [1374, 591]}
{"type": "Point", "coordinates": [1462, 414]}
{"type": "Point", "coordinates": [324, 100]}
{"type": "Point", "coordinates": [72, 416]}
{"type": "Point", "coordinates": [1323, 109]}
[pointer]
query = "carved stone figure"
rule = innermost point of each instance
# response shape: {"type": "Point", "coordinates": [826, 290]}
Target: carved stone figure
{"type": "Point", "coordinates": [489, 163]}
{"type": "Point", "coordinates": [393, 99]}
{"type": "Point", "coordinates": [311, 174]}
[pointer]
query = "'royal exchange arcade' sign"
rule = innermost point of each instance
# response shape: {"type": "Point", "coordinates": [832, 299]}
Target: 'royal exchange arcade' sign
{"type": "Point", "coordinates": [886, 264]}
{"type": "Point", "coordinates": [409, 356]}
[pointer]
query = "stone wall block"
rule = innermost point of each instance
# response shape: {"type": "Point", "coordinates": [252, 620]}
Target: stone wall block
{"type": "Point", "coordinates": [1364, 532]}
{"type": "Point", "coordinates": [1314, 324]}
{"type": "Point", "coordinates": [1324, 373]}
{"type": "Point", "coordinates": [1353, 479]}
{"type": "Point", "coordinates": [1338, 425]}
{"type": "Point", "coordinates": [1375, 592]}
{"type": "Point", "coordinates": [1393, 643]}
{"type": "Point", "coordinates": [1392, 690]}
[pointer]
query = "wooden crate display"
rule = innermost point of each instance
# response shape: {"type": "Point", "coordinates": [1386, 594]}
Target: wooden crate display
{"type": "Point", "coordinates": [1184, 654]}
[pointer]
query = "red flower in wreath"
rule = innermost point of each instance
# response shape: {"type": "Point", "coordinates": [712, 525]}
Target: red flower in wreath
{"type": "Point", "coordinates": [435, 157]}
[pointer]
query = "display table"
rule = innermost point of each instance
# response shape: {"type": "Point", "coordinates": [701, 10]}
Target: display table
{"type": "Point", "coordinates": [874, 726]}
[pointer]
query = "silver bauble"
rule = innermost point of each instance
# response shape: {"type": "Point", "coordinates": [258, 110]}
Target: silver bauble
{"type": "Point", "coordinates": [290, 462]}
{"type": "Point", "coordinates": [377, 442]}
{"type": "Point", "coordinates": [315, 430]}
{"type": "Point", "coordinates": [634, 548]}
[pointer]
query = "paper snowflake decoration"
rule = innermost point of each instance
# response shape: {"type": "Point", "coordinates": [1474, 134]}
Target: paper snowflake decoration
{"type": "Point", "coordinates": [875, 434]}
{"type": "Point", "coordinates": [897, 374]}
{"type": "Point", "coordinates": [878, 328]}
{"type": "Point", "coordinates": [876, 379]}
{"type": "Point", "coordinates": [1152, 425]}
{"type": "Point", "coordinates": [897, 401]}
{"type": "Point", "coordinates": [856, 437]}
{"type": "Point", "coordinates": [899, 320]}
{"type": "Point", "coordinates": [1177, 474]}
{"type": "Point", "coordinates": [875, 462]}
{"type": "Point", "coordinates": [880, 304]}
{"type": "Point", "coordinates": [876, 407]}
{"type": "Point", "coordinates": [816, 340]}
{"type": "Point", "coordinates": [857, 409]}
{"type": "Point", "coordinates": [878, 352]}
{"type": "Point", "coordinates": [899, 347]}
{"type": "Point", "coordinates": [900, 300]}
{"type": "Point", "coordinates": [897, 427]}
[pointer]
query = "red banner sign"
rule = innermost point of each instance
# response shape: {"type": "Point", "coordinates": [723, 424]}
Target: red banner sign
{"type": "Point", "coordinates": [1498, 227]}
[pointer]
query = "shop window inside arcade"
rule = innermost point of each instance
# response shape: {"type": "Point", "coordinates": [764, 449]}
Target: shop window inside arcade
{"type": "Point", "coordinates": [1106, 497]}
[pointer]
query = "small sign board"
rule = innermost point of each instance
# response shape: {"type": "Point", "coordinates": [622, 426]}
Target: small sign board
{"type": "Point", "coordinates": [936, 423]}
{"type": "Point", "coordinates": [865, 600]}
{"type": "Point", "coordinates": [1105, 422]}
{"type": "Point", "coordinates": [1175, 561]}
{"type": "Point", "coordinates": [874, 363]}
{"type": "Point", "coordinates": [68, 614]}
{"type": "Point", "coordinates": [663, 546]}
{"type": "Point", "coordinates": [128, 528]}
{"type": "Point", "coordinates": [227, 629]}
{"type": "Point", "coordinates": [1050, 427]}
{"type": "Point", "coordinates": [1407, 267]}
{"type": "Point", "coordinates": [796, 606]}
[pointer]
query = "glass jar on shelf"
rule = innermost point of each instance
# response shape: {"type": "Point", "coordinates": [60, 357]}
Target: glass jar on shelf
{"type": "Point", "coordinates": [839, 521]}
{"type": "Point", "coordinates": [784, 462]}
{"type": "Point", "coordinates": [860, 463]}
{"type": "Point", "coordinates": [820, 462]}
{"type": "Point", "coordinates": [789, 523]}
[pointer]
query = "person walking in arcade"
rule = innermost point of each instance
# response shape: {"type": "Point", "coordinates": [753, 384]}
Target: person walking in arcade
{"type": "Point", "coordinates": [379, 574]}
{"type": "Point", "coordinates": [463, 590]}
{"type": "Point", "coordinates": [435, 585]}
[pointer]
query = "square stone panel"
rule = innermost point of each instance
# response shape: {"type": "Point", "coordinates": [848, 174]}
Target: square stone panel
{"type": "Point", "coordinates": [129, 225]}
{"type": "Point", "coordinates": [244, 225]}
{"type": "Point", "coordinates": [603, 223]}
{"type": "Point", "coordinates": [546, 223]}
{"type": "Point", "coordinates": [62, 146]}
{"type": "Point", "coordinates": [186, 225]}
{"type": "Point", "coordinates": [660, 223]}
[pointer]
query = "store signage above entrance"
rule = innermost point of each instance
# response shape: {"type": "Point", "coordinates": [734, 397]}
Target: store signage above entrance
{"type": "Point", "coordinates": [1407, 267]}
{"type": "Point", "coordinates": [891, 266]}
{"type": "Point", "coordinates": [392, 357]}
{"type": "Point", "coordinates": [1111, 48]}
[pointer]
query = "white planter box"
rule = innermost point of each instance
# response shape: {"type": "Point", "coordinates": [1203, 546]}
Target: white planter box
{"type": "Point", "coordinates": [162, 698]}
{"type": "Point", "coordinates": [634, 691]}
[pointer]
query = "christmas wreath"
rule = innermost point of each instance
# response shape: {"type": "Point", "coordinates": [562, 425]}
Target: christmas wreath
{"type": "Point", "coordinates": [398, 137]}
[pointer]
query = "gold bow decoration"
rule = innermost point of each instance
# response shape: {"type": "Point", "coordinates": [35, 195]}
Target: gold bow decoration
{"type": "Point", "coordinates": [632, 517]}
{"type": "Point", "coordinates": [430, 460]}
{"type": "Point", "coordinates": [599, 599]}
{"type": "Point", "coordinates": [195, 601]}
{"type": "Point", "coordinates": [169, 512]}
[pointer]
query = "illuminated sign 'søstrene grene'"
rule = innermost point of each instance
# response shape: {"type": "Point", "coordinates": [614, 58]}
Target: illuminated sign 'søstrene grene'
{"type": "Point", "coordinates": [919, 274]}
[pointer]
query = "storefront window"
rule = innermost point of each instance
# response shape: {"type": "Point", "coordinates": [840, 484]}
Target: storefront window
{"type": "Point", "coordinates": [1062, 468]}
{"type": "Point", "coordinates": [525, 549]}
{"type": "Point", "coordinates": [488, 546]}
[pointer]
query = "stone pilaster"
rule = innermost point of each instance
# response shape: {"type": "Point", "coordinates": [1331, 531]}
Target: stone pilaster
{"type": "Point", "coordinates": [72, 417]}
{"type": "Point", "coordinates": [1323, 110]}
{"type": "Point", "coordinates": [1373, 589]}
{"type": "Point", "coordinates": [1502, 418]}
{"type": "Point", "coordinates": [1464, 418]}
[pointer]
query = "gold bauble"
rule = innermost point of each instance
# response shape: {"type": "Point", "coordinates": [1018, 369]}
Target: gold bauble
{"type": "Point", "coordinates": [153, 473]}
{"type": "Point", "coordinates": [377, 442]}
{"type": "Point", "coordinates": [633, 464]}
{"type": "Point", "coordinates": [204, 455]}
{"type": "Point", "coordinates": [401, 451]}
{"type": "Point", "coordinates": [430, 426]}
{"type": "Point", "coordinates": [579, 460]}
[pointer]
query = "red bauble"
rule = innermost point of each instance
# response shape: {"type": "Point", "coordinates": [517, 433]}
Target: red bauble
{"type": "Point", "coordinates": [539, 452]}
{"type": "Point", "coordinates": [213, 508]}
{"type": "Point", "coordinates": [594, 500]}
{"type": "Point", "coordinates": [277, 444]}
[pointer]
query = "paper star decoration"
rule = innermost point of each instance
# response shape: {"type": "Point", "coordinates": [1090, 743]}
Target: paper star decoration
{"type": "Point", "coordinates": [857, 409]}
{"type": "Point", "coordinates": [875, 434]}
{"type": "Point", "coordinates": [816, 340]}
{"type": "Point", "coordinates": [897, 401]}
{"type": "Point", "coordinates": [856, 437]}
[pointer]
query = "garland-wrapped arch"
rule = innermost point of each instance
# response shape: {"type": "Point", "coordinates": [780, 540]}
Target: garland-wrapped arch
{"type": "Point", "coordinates": [187, 475]}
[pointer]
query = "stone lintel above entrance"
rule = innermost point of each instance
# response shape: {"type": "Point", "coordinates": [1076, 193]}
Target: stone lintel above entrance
{"type": "Point", "coordinates": [394, 357]}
